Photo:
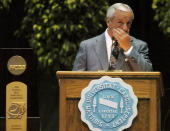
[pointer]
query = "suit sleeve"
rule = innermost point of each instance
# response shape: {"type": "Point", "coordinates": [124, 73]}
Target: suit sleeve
{"type": "Point", "coordinates": [139, 57]}
{"type": "Point", "coordinates": [80, 60]}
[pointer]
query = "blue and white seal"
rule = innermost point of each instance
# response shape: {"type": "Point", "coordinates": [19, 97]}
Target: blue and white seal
{"type": "Point", "coordinates": [108, 104]}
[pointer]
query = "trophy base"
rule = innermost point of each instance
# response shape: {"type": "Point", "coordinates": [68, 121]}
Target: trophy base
{"type": "Point", "coordinates": [33, 124]}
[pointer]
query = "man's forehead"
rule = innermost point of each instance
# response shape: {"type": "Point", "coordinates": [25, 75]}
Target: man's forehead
{"type": "Point", "coordinates": [123, 14]}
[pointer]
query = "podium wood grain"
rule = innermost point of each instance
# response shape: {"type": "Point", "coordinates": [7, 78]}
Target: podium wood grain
{"type": "Point", "coordinates": [146, 85]}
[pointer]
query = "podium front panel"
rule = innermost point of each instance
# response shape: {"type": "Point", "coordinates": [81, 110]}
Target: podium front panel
{"type": "Point", "coordinates": [146, 87]}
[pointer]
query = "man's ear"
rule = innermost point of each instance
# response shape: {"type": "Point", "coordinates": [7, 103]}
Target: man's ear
{"type": "Point", "coordinates": [108, 22]}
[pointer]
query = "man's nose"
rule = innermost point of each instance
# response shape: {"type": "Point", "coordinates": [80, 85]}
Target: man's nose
{"type": "Point", "coordinates": [125, 27]}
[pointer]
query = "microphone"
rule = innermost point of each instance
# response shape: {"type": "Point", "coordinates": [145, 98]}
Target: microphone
{"type": "Point", "coordinates": [115, 43]}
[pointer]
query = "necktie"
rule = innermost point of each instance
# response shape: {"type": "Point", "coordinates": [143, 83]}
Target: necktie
{"type": "Point", "coordinates": [114, 55]}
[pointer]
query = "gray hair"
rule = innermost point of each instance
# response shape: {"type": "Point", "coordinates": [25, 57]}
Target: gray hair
{"type": "Point", "coordinates": [118, 6]}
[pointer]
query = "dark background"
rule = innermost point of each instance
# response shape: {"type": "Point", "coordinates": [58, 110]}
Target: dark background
{"type": "Point", "coordinates": [143, 28]}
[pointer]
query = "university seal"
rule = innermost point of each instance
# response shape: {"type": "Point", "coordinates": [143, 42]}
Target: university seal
{"type": "Point", "coordinates": [108, 104]}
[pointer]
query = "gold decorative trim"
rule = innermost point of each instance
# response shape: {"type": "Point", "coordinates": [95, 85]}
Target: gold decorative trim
{"type": "Point", "coordinates": [16, 111]}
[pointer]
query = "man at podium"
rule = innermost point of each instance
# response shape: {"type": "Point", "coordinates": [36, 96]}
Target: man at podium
{"type": "Point", "coordinates": [114, 49]}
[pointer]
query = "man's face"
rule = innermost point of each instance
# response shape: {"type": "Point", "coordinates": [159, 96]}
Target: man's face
{"type": "Point", "coordinates": [122, 20]}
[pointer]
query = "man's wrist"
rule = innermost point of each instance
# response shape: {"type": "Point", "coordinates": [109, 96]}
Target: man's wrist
{"type": "Point", "coordinates": [127, 53]}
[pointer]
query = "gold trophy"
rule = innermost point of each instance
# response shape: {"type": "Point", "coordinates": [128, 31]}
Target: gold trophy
{"type": "Point", "coordinates": [16, 97]}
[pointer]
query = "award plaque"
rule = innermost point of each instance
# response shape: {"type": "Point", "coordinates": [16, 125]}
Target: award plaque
{"type": "Point", "coordinates": [16, 106]}
{"type": "Point", "coordinates": [19, 110]}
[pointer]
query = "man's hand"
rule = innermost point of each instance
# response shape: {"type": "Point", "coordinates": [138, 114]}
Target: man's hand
{"type": "Point", "coordinates": [122, 38]}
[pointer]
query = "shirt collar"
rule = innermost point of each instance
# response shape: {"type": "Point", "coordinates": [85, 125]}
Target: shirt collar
{"type": "Point", "coordinates": [108, 38]}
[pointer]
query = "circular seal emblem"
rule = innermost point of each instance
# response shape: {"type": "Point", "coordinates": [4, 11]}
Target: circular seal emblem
{"type": "Point", "coordinates": [16, 65]}
{"type": "Point", "coordinates": [108, 104]}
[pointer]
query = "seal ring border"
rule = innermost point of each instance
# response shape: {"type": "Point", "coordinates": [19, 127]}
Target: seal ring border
{"type": "Point", "coordinates": [98, 81]}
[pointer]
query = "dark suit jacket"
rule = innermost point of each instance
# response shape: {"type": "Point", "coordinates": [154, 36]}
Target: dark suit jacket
{"type": "Point", "coordinates": [92, 56]}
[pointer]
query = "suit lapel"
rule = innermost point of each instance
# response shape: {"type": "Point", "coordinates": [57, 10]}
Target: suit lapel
{"type": "Point", "coordinates": [101, 51]}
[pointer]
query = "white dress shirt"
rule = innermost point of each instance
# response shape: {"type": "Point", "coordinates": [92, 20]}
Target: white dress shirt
{"type": "Point", "coordinates": [109, 42]}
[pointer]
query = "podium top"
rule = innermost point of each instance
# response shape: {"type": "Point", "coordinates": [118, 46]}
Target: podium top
{"type": "Point", "coordinates": [124, 75]}
{"type": "Point", "coordinates": [93, 74]}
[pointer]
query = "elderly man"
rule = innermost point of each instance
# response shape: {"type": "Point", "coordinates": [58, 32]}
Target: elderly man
{"type": "Point", "coordinates": [115, 49]}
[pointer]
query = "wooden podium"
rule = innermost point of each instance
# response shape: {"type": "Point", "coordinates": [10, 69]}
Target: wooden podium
{"type": "Point", "coordinates": [146, 85]}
